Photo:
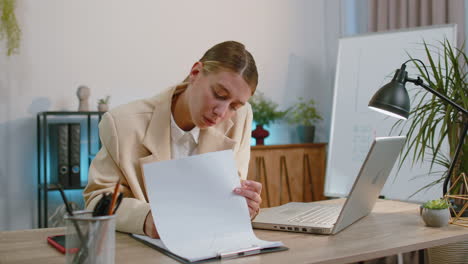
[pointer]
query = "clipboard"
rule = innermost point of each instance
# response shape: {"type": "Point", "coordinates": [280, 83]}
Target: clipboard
{"type": "Point", "coordinates": [221, 255]}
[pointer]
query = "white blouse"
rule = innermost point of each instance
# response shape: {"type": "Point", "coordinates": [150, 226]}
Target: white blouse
{"type": "Point", "coordinates": [183, 143]}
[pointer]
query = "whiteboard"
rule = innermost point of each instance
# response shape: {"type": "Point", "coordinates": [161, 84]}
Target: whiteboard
{"type": "Point", "coordinates": [365, 63]}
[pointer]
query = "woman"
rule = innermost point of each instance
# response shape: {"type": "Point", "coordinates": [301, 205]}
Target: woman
{"type": "Point", "coordinates": [207, 112]}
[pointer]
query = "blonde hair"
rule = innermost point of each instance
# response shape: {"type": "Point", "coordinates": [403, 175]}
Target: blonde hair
{"type": "Point", "coordinates": [231, 56]}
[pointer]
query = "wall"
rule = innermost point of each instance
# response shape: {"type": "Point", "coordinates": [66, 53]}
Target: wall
{"type": "Point", "coordinates": [135, 49]}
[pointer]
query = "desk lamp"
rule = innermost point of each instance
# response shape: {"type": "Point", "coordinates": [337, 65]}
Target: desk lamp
{"type": "Point", "coordinates": [393, 99]}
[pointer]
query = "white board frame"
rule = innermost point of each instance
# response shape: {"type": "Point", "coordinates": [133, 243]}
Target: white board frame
{"type": "Point", "coordinates": [366, 62]}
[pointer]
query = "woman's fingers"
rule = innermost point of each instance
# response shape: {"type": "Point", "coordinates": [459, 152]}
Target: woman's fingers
{"type": "Point", "coordinates": [149, 227]}
{"type": "Point", "coordinates": [251, 190]}
{"type": "Point", "coordinates": [253, 205]}
{"type": "Point", "coordinates": [249, 194]}
{"type": "Point", "coordinates": [252, 185]}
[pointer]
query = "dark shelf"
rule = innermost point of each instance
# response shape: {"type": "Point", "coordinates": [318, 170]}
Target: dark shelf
{"type": "Point", "coordinates": [71, 113]}
{"type": "Point", "coordinates": [48, 158]}
{"type": "Point", "coordinates": [54, 187]}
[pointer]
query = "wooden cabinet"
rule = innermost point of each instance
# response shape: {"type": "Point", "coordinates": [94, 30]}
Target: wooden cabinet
{"type": "Point", "coordinates": [289, 173]}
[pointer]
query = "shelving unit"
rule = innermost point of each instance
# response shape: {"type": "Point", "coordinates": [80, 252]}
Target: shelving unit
{"type": "Point", "coordinates": [89, 144]}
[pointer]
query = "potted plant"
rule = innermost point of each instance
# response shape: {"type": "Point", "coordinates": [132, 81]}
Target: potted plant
{"type": "Point", "coordinates": [305, 115]}
{"type": "Point", "coordinates": [9, 28]}
{"type": "Point", "coordinates": [432, 121]}
{"type": "Point", "coordinates": [435, 213]}
{"type": "Point", "coordinates": [103, 104]}
{"type": "Point", "coordinates": [264, 113]}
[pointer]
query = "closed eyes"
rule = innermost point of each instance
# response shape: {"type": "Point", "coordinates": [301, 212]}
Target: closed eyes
{"type": "Point", "coordinates": [223, 94]}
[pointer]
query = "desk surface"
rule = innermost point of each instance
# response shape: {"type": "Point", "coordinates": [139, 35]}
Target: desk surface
{"type": "Point", "coordinates": [393, 227]}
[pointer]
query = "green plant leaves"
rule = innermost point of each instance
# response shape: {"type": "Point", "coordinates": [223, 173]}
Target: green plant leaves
{"type": "Point", "coordinates": [9, 28]}
{"type": "Point", "coordinates": [436, 204]}
{"type": "Point", "coordinates": [104, 100]}
{"type": "Point", "coordinates": [304, 113]}
{"type": "Point", "coordinates": [264, 109]}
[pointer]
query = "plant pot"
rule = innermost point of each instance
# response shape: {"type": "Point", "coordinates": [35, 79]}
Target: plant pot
{"type": "Point", "coordinates": [435, 217]}
{"type": "Point", "coordinates": [103, 107]}
{"type": "Point", "coordinates": [260, 134]}
{"type": "Point", "coordinates": [306, 134]}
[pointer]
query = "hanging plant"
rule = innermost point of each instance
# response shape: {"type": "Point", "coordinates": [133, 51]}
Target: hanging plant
{"type": "Point", "coordinates": [9, 28]}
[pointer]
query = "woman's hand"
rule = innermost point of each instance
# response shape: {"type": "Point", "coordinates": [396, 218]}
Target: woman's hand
{"type": "Point", "coordinates": [150, 228]}
{"type": "Point", "coordinates": [251, 190]}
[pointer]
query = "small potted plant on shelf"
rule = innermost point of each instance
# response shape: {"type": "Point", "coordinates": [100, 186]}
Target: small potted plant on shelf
{"type": "Point", "coordinates": [264, 113]}
{"type": "Point", "coordinates": [103, 104]}
{"type": "Point", "coordinates": [304, 114]}
{"type": "Point", "coordinates": [435, 213]}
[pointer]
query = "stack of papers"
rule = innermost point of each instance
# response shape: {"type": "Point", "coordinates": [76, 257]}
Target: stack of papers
{"type": "Point", "coordinates": [196, 212]}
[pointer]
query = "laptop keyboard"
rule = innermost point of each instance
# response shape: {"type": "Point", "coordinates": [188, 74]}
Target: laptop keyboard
{"type": "Point", "coordinates": [319, 215]}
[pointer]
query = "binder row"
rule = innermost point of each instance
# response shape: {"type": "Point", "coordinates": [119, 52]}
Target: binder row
{"type": "Point", "coordinates": [65, 148]}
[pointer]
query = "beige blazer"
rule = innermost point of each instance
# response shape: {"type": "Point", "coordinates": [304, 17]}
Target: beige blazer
{"type": "Point", "coordinates": [139, 132]}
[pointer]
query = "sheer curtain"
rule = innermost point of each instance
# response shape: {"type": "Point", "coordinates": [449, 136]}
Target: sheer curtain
{"type": "Point", "coordinates": [396, 14]}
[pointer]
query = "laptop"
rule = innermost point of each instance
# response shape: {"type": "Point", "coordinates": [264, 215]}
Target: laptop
{"type": "Point", "coordinates": [332, 218]}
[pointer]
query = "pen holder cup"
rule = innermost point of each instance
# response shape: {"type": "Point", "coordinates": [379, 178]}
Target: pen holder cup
{"type": "Point", "coordinates": [90, 239]}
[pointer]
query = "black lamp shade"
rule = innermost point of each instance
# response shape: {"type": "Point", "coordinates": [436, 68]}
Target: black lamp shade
{"type": "Point", "coordinates": [392, 99]}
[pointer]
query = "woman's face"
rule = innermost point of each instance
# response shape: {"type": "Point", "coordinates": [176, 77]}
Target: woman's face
{"type": "Point", "coordinates": [215, 97]}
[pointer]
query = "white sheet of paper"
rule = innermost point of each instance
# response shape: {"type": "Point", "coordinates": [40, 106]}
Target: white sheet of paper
{"type": "Point", "coordinates": [194, 208]}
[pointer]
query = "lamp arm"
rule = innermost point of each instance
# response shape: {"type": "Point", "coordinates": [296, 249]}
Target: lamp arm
{"type": "Point", "coordinates": [420, 82]}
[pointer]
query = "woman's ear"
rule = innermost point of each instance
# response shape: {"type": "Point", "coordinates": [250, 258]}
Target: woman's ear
{"type": "Point", "coordinates": [195, 71]}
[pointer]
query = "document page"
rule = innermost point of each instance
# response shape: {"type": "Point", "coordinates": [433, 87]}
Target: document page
{"type": "Point", "coordinates": [195, 210]}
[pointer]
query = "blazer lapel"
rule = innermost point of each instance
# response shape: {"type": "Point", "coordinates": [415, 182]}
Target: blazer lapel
{"type": "Point", "coordinates": [158, 138]}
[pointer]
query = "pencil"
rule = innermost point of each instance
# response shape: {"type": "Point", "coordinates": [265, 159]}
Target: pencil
{"type": "Point", "coordinates": [103, 237]}
{"type": "Point", "coordinates": [70, 212]}
{"type": "Point", "coordinates": [83, 252]}
{"type": "Point", "coordinates": [114, 198]}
